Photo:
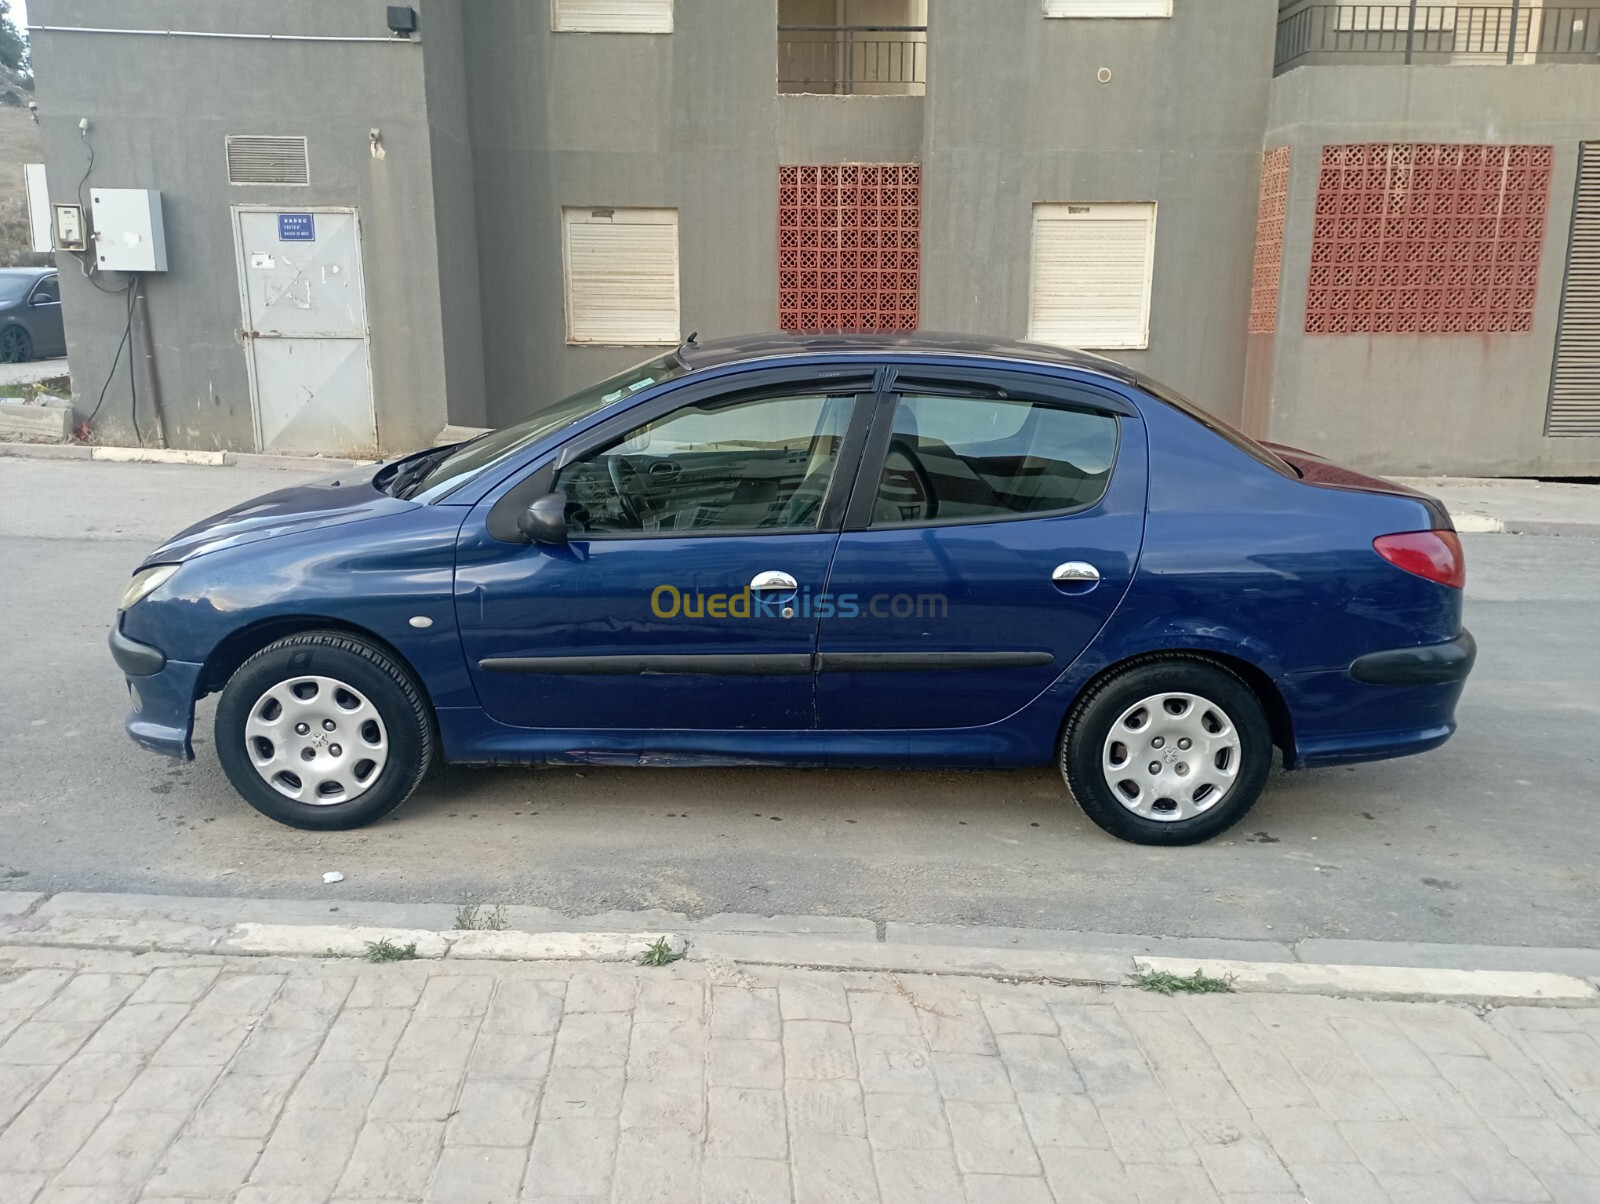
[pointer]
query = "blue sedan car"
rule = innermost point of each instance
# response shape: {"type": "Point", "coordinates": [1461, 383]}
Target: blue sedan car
{"type": "Point", "coordinates": [895, 551]}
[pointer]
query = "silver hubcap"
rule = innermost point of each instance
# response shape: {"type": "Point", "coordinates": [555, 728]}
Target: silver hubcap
{"type": "Point", "coordinates": [1171, 757]}
{"type": "Point", "coordinates": [316, 740]}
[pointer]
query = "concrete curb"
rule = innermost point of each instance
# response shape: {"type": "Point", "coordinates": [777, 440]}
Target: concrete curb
{"type": "Point", "coordinates": [335, 940]}
{"type": "Point", "coordinates": [1481, 975]}
{"type": "Point", "coordinates": [165, 455]}
{"type": "Point", "coordinates": [1482, 524]}
{"type": "Point", "coordinates": [1407, 984]}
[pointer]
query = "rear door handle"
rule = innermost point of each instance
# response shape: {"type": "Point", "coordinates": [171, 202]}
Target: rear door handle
{"type": "Point", "coordinates": [1075, 572]}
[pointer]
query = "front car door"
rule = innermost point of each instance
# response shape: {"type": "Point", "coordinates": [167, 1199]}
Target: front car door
{"type": "Point", "coordinates": [994, 528]}
{"type": "Point", "coordinates": [696, 533]}
{"type": "Point", "coordinates": [44, 317]}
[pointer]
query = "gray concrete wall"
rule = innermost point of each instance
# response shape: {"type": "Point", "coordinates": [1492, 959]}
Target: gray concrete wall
{"type": "Point", "coordinates": [684, 120]}
{"type": "Point", "coordinates": [159, 109]}
{"type": "Point", "coordinates": [445, 84]}
{"type": "Point", "coordinates": [1015, 116]}
{"type": "Point", "coordinates": [849, 129]}
{"type": "Point", "coordinates": [1468, 404]}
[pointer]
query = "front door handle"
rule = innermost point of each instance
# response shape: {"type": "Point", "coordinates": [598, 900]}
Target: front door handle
{"type": "Point", "coordinates": [1074, 572]}
{"type": "Point", "coordinates": [775, 581]}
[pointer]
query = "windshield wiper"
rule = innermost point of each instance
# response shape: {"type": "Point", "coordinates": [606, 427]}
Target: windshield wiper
{"type": "Point", "coordinates": [404, 482]}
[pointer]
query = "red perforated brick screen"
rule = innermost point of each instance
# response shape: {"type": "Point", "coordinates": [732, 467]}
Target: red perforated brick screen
{"type": "Point", "coordinates": [1427, 238]}
{"type": "Point", "coordinates": [1269, 240]}
{"type": "Point", "coordinates": [849, 246]}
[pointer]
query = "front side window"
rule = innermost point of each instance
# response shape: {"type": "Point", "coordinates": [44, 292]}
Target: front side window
{"type": "Point", "coordinates": [955, 459]}
{"type": "Point", "coordinates": [761, 465]}
{"type": "Point", "coordinates": [49, 290]}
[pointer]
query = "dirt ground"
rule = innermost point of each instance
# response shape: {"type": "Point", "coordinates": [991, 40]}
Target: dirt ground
{"type": "Point", "coordinates": [19, 143]}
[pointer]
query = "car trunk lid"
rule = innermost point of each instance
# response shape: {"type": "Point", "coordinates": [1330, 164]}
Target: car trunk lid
{"type": "Point", "coordinates": [1323, 473]}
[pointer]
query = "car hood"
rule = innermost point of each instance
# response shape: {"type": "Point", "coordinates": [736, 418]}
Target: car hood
{"type": "Point", "coordinates": [329, 502]}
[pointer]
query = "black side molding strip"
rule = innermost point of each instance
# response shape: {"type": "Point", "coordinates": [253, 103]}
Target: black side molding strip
{"type": "Point", "coordinates": [132, 657]}
{"type": "Point", "coordinates": [1428, 665]}
{"type": "Point", "coordinates": [910, 662]}
{"type": "Point", "coordinates": [766, 665]}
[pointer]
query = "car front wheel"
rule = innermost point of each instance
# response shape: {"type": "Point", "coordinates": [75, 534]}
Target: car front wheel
{"type": "Point", "coordinates": [1167, 752]}
{"type": "Point", "coordinates": [323, 730]}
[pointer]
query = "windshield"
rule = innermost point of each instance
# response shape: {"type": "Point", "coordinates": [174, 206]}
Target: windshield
{"type": "Point", "coordinates": [433, 474]}
{"type": "Point", "coordinates": [14, 286]}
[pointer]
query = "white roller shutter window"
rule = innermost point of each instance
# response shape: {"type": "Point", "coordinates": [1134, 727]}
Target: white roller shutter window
{"type": "Point", "coordinates": [611, 16]}
{"type": "Point", "coordinates": [1091, 275]}
{"type": "Point", "coordinates": [1108, 8]}
{"type": "Point", "coordinates": [622, 276]}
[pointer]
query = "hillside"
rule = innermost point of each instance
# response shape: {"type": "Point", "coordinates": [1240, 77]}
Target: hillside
{"type": "Point", "coordinates": [19, 144]}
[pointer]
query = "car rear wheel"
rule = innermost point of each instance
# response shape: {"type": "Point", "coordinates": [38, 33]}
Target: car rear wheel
{"type": "Point", "coordinates": [324, 731]}
{"type": "Point", "coordinates": [15, 345]}
{"type": "Point", "coordinates": [1168, 752]}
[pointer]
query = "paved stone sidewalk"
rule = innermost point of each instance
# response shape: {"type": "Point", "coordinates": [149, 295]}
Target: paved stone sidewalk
{"type": "Point", "coordinates": [166, 1077]}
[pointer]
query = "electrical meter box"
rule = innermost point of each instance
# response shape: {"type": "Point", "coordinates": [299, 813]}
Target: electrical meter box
{"type": "Point", "coordinates": [128, 235]}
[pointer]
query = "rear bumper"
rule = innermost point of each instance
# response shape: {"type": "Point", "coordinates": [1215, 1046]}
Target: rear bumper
{"type": "Point", "coordinates": [1392, 703]}
{"type": "Point", "coordinates": [1428, 665]}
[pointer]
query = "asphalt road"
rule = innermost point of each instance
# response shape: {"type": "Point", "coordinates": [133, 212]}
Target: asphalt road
{"type": "Point", "coordinates": [1492, 839]}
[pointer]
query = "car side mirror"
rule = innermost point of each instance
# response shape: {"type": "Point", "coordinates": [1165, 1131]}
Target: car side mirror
{"type": "Point", "coordinates": [545, 520]}
{"type": "Point", "coordinates": [41, 300]}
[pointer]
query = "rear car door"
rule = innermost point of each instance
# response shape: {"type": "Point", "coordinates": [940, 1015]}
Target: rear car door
{"type": "Point", "coordinates": [693, 535]}
{"type": "Point", "coordinates": [994, 528]}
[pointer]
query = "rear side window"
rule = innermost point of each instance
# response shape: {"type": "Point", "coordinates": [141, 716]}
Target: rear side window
{"type": "Point", "coordinates": [1218, 427]}
{"type": "Point", "coordinates": [969, 459]}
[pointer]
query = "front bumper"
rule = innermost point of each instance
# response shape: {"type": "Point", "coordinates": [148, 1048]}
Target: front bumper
{"type": "Point", "coordinates": [162, 695]}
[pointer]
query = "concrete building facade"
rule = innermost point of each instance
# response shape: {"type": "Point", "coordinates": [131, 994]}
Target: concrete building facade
{"type": "Point", "coordinates": [545, 191]}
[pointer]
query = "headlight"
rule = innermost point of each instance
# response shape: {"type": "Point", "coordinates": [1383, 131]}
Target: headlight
{"type": "Point", "coordinates": [145, 583]}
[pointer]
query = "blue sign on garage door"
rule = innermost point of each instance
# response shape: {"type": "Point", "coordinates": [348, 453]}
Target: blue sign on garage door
{"type": "Point", "coordinates": [297, 227]}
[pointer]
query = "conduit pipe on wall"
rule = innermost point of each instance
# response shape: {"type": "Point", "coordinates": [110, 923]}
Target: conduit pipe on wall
{"type": "Point", "coordinates": [192, 33]}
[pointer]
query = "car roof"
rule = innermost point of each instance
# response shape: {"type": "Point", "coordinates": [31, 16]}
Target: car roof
{"type": "Point", "coordinates": [716, 353]}
{"type": "Point", "coordinates": [36, 273]}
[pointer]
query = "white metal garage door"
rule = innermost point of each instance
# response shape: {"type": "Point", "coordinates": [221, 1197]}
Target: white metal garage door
{"type": "Point", "coordinates": [305, 330]}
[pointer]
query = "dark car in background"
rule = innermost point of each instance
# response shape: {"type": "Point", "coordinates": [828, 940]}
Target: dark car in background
{"type": "Point", "coordinates": [30, 315]}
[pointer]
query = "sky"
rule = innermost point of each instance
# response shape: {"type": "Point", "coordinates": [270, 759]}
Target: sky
{"type": "Point", "coordinates": [19, 13]}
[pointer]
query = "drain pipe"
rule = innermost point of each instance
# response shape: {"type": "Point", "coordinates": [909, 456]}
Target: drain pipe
{"type": "Point", "coordinates": [152, 383]}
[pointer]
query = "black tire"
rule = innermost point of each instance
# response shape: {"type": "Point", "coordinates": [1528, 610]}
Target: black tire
{"type": "Point", "coordinates": [1089, 727]}
{"type": "Point", "coordinates": [15, 346]}
{"type": "Point", "coordinates": [407, 725]}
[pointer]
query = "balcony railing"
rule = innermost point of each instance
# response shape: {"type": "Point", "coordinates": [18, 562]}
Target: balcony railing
{"type": "Point", "coordinates": [1519, 31]}
{"type": "Point", "coordinates": [885, 60]}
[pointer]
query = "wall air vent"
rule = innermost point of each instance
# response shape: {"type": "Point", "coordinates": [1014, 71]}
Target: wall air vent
{"type": "Point", "coordinates": [267, 159]}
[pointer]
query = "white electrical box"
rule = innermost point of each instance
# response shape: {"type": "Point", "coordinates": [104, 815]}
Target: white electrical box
{"type": "Point", "coordinates": [128, 235]}
{"type": "Point", "coordinates": [69, 227]}
{"type": "Point", "coordinates": [38, 207]}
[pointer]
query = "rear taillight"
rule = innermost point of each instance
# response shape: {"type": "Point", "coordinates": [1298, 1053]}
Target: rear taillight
{"type": "Point", "coordinates": [1435, 555]}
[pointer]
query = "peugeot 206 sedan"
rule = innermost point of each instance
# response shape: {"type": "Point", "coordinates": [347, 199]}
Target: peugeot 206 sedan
{"type": "Point", "coordinates": [908, 551]}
